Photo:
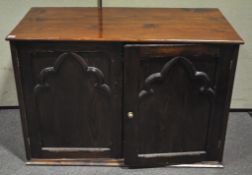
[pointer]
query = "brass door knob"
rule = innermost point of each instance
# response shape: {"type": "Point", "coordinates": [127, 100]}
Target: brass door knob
{"type": "Point", "coordinates": [130, 115]}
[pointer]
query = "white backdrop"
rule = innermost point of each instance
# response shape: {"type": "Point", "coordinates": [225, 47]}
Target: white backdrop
{"type": "Point", "coordinates": [238, 12]}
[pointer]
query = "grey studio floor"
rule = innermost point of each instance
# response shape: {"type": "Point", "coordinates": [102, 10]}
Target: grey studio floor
{"type": "Point", "coordinates": [237, 154]}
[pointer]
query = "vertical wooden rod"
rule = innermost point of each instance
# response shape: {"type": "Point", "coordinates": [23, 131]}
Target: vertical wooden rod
{"type": "Point", "coordinates": [99, 3]}
{"type": "Point", "coordinates": [100, 18]}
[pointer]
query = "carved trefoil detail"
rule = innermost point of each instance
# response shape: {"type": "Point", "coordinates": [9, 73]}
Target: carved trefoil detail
{"type": "Point", "coordinates": [202, 77]}
{"type": "Point", "coordinates": [98, 74]}
{"type": "Point", "coordinates": [72, 93]}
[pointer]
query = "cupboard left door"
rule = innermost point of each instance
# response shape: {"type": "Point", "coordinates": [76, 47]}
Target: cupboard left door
{"type": "Point", "coordinates": [70, 99]}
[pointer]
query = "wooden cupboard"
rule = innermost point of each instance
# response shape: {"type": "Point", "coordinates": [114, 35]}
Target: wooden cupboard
{"type": "Point", "coordinates": [124, 86]}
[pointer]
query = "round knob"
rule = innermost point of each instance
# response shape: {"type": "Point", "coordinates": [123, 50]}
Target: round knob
{"type": "Point", "coordinates": [130, 115]}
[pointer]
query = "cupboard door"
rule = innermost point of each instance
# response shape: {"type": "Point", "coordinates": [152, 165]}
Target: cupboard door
{"type": "Point", "coordinates": [169, 95]}
{"type": "Point", "coordinates": [73, 99]}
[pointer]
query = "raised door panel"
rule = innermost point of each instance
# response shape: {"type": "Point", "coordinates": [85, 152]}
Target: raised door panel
{"type": "Point", "coordinates": [73, 100]}
{"type": "Point", "coordinates": [170, 92]}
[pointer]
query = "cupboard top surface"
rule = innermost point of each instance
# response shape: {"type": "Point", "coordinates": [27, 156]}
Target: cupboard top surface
{"type": "Point", "coordinates": [125, 25]}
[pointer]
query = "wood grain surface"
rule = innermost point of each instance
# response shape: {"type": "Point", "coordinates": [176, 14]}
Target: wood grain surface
{"type": "Point", "coordinates": [126, 25]}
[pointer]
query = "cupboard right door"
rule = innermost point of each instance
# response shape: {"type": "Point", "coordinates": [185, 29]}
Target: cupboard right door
{"type": "Point", "coordinates": [170, 93]}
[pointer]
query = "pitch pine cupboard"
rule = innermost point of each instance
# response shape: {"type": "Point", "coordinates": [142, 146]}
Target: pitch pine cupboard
{"type": "Point", "coordinates": [124, 86]}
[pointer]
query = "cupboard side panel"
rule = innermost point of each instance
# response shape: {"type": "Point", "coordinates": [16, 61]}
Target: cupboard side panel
{"type": "Point", "coordinates": [18, 80]}
{"type": "Point", "coordinates": [224, 84]}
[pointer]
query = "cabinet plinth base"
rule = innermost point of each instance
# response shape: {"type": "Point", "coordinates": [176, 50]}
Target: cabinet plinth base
{"type": "Point", "coordinates": [113, 163]}
{"type": "Point", "coordinates": [89, 162]}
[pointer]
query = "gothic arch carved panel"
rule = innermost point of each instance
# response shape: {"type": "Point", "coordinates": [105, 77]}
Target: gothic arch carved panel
{"type": "Point", "coordinates": [193, 74]}
{"type": "Point", "coordinates": [177, 102]}
{"type": "Point", "coordinates": [72, 99]}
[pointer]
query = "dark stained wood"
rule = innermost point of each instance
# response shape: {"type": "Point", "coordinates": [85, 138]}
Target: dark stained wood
{"type": "Point", "coordinates": [172, 100]}
{"type": "Point", "coordinates": [21, 101]}
{"type": "Point", "coordinates": [151, 86]}
{"type": "Point", "coordinates": [224, 84]}
{"type": "Point", "coordinates": [201, 117]}
{"type": "Point", "coordinates": [173, 154]}
{"type": "Point", "coordinates": [75, 152]}
{"type": "Point", "coordinates": [126, 25]}
{"type": "Point", "coordinates": [231, 64]}
{"type": "Point", "coordinates": [73, 98]}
